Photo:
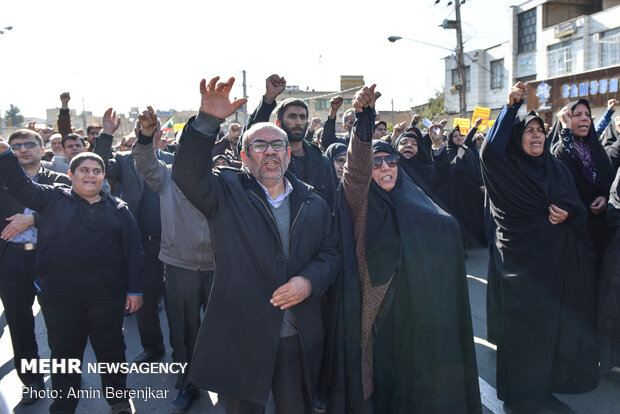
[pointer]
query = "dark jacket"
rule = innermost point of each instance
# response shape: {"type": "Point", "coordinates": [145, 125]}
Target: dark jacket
{"type": "Point", "coordinates": [238, 340]}
{"type": "Point", "coordinates": [57, 205]}
{"type": "Point", "coordinates": [9, 205]}
{"type": "Point", "coordinates": [318, 172]}
{"type": "Point", "coordinates": [122, 168]}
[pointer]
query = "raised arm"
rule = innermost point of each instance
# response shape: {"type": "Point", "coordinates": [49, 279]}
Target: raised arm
{"type": "Point", "coordinates": [329, 129]}
{"type": "Point", "coordinates": [358, 168]}
{"type": "Point", "coordinates": [64, 116]}
{"type": "Point", "coordinates": [190, 172]}
{"type": "Point", "coordinates": [469, 139]}
{"type": "Point", "coordinates": [32, 195]}
{"type": "Point", "coordinates": [606, 118]}
{"type": "Point", "coordinates": [103, 144]}
{"type": "Point", "coordinates": [274, 86]}
{"type": "Point", "coordinates": [500, 132]}
{"type": "Point", "coordinates": [153, 170]}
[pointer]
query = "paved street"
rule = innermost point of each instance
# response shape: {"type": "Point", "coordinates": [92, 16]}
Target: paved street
{"type": "Point", "coordinates": [603, 400]}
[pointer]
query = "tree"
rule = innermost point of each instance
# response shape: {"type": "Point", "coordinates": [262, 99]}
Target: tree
{"type": "Point", "coordinates": [14, 115]}
{"type": "Point", "coordinates": [434, 108]}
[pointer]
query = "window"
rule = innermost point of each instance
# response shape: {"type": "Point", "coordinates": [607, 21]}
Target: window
{"type": "Point", "coordinates": [610, 47]}
{"type": "Point", "coordinates": [560, 59]}
{"type": "Point", "coordinates": [456, 80]}
{"type": "Point", "coordinates": [497, 74]}
{"type": "Point", "coordinates": [320, 104]}
{"type": "Point", "coordinates": [527, 31]}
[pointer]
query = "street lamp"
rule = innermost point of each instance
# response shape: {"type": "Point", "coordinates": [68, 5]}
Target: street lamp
{"type": "Point", "coordinates": [395, 38]}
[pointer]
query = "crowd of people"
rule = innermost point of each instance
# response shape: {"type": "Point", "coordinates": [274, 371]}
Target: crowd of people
{"type": "Point", "coordinates": [323, 268]}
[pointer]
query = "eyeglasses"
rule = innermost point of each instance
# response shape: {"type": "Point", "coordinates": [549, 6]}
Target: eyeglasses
{"type": "Point", "coordinates": [391, 161]}
{"type": "Point", "coordinates": [259, 146]}
{"type": "Point", "coordinates": [340, 160]}
{"type": "Point", "coordinates": [29, 145]}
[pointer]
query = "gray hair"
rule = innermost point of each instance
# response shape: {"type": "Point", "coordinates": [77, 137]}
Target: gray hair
{"type": "Point", "coordinates": [346, 114]}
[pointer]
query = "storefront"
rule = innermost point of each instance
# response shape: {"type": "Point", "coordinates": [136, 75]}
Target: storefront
{"type": "Point", "coordinates": [547, 97]}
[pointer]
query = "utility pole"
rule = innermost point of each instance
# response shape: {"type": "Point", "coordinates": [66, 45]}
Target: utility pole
{"type": "Point", "coordinates": [245, 95]}
{"type": "Point", "coordinates": [83, 114]}
{"type": "Point", "coordinates": [460, 61]}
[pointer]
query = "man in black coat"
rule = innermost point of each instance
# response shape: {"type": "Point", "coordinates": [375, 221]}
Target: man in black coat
{"type": "Point", "coordinates": [276, 253]}
{"type": "Point", "coordinates": [18, 251]}
{"type": "Point", "coordinates": [307, 160]}
{"type": "Point", "coordinates": [144, 205]}
{"type": "Point", "coordinates": [82, 297]}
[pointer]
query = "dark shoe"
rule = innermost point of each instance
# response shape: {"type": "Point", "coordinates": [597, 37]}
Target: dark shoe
{"type": "Point", "coordinates": [124, 407]}
{"type": "Point", "coordinates": [30, 396]}
{"type": "Point", "coordinates": [183, 401]}
{"type": "Point", "coordinates": [149, 356]}
{"type": "Point", "coordinates": [553, 405]}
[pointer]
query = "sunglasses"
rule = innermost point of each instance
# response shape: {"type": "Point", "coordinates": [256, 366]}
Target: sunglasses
{"type": "Point", "coordinates": [259, 146]}
{"type": "Point", "coordinates": [29, 145]}
{"type": "Point", "coordinates": [391, 161]}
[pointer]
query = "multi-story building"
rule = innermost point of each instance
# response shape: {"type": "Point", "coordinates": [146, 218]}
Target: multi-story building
{"type": "Point", "coordinates": [564, 50]}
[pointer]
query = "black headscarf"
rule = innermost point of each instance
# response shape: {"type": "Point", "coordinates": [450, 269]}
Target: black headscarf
{"type": "Point", "coordinates": [335, 150]}
{"type": "Point", "coordinates": [383, 250]}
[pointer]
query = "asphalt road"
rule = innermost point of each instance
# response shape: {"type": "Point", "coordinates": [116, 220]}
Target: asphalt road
{"type": "Point", "coordinates": [603, 400]}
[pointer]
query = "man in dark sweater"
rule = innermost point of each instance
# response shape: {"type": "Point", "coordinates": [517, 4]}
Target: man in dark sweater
{"type": "Point", "coordinates": [307, 161]}
{"type": "Point", "coordinates": [83, 297]}
{"type": "Point", "coordinates": [18, 252]}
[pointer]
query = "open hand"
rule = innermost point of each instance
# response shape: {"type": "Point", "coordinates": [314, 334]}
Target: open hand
{"type": "Point", "coordinates": [215, 98]}
{"type": "Point", "coordinates": [19, 223]}
{"type": "Point", "coordinates": [110, 122]}
{"type": "Point", "coordinates": [297, 289]}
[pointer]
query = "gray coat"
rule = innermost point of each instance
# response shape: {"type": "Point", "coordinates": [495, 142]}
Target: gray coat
{"type": "Point", "coordinates": [121, 168]}
{"type": "Point", "coordinates": [185, 235]}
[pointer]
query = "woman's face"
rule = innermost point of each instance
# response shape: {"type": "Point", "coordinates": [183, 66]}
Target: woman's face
{"type": "Point", "coordinates": [339, 165]}
{"type": "Point", "coordinates": [581, 121]}
{"type": "Point", "coordinates": [384, 174]}
{"type": "Point", "coordinates": [458, 139]}
{"type": "Point", "coordinates": [408, 147]}
{"type": "Point", "coordinates": [533, 140]}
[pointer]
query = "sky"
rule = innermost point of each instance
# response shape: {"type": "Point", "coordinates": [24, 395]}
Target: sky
{"type": "Point", "coordinates": [128, 53]}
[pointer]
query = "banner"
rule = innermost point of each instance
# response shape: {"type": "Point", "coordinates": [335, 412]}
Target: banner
{"type": "Point", "coordinates": [178, 127]}
{"type": "Point", "coordinates": [463, 124]}
{"type": "Point", "coordinates": [481, 112]}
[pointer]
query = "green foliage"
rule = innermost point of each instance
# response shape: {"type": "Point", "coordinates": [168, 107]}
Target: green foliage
{"type": "Point", "coordinates": [13, 114]}
{"type": "Point", "coordinates": [434, 108]}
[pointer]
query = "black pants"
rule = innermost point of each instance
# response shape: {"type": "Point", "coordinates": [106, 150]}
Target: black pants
{"type": "Point", "coordinates": [187, 292]}
{"type": "Point", "coordinates": [287, 385]}
{"type": "Point", "coordinates": [70, 323]}
{"type": "Point", "coordinates": [17, 292]}
{"type": "Point", "coordinates": [149, 326]}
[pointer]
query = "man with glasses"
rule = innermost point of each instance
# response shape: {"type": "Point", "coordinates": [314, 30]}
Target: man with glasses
{"type": "Point", "coordinates": [18, 251]}
{"type": "Point", "coordinates": [276, 254]}
{"type": "Point", "coordinates": [307, 160]}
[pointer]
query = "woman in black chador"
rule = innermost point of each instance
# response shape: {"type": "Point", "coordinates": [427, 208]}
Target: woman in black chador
{"type": "Point", "coordinates": [546, 340]}
{"type": "Point", "coordinates": [608, 320]}
{"type": "Point", "coordinates": [406, 332]}
{"type": "Point", "coordinates": [574, 141]}
{"type": "Point", "coordinates": [462, 193]}
{"type": "Point", "coordinates": [428, 170]}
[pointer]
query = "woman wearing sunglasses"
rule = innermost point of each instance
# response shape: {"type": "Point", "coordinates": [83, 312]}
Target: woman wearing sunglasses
{"type": "Point", "coordinates": [407, 333]}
